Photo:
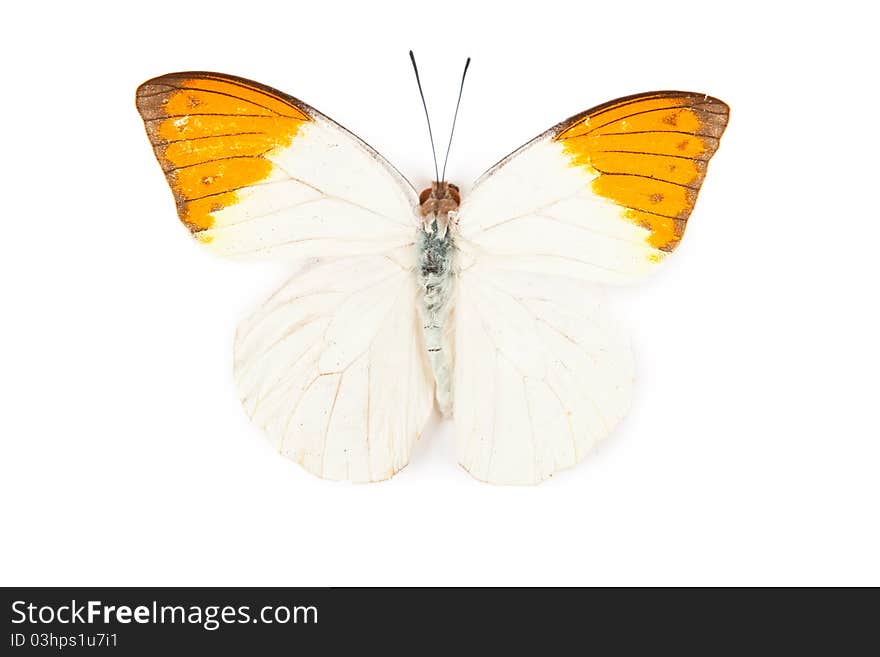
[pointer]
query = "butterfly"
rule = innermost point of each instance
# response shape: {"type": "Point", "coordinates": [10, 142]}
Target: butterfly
{"type": "Point", "coordinates": [487, 302]}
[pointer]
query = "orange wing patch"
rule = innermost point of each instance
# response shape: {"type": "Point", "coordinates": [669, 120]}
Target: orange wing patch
{"type": "Point", "coordinates": [211, 134]}
{"type": "Point", "coordinates": [648, 154]}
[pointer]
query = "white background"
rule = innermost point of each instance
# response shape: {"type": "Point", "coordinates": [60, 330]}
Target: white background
{"type": "Point", "coordinates": [752, 452]}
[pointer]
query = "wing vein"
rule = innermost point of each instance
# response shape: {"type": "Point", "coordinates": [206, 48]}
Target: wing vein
{"type": "Point", "coordinates": [339, 198]}
{"type": "Point", "coordinates": [244, 100]}
{"type": "Point", "coordinates": [329, 420]}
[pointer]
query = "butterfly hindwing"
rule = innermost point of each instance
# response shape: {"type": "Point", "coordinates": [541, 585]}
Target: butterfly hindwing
{"type": "Point", "coordinates": [333, 367]}
{"type": "Point", "coordinates": [541, 374]}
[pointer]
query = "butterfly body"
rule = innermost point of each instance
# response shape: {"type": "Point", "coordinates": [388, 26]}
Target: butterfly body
{"type": "Point", "coordinates": [487, 304]}
{"type": "Point", "coordinates": [436, 274]}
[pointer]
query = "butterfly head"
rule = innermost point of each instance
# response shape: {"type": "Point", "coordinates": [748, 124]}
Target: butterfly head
{"type": "Point", "coordinates": [439, 204]}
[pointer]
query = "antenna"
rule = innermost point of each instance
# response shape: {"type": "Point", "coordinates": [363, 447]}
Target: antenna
{"type": "Point", "coordinates": [428, 118]}
{"type": "Point", "coordinates": [455, 118]}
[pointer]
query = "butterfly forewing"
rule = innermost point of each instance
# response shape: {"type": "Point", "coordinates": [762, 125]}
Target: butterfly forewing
{"type": "Point", "coordinates": [604, 195]}
{"type": "Point", "coordinates": [257, 172]}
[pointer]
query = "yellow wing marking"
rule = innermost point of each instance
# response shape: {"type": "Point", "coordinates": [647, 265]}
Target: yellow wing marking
{"type": "Point", "coordinates": [648, 154]}
{"type": "Point", "coordinates": [212, 134]}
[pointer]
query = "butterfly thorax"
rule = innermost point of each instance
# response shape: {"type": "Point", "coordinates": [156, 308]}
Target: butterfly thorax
{"type": "Point", "coordinates": [438, 204]}
{"type": "Point", "coordinates": [436, 267]}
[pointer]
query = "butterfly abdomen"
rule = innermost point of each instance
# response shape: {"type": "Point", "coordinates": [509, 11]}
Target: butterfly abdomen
{"type": "Point", "coordinates": [436, 255]}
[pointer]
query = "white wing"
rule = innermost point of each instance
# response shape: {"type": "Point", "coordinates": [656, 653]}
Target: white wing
{"type": "Point", "coordinates": [334, 369]}
{"type": "Point", "coordinates": [333, 366]}
{"type": "Point", "coordinates": [540, 374]}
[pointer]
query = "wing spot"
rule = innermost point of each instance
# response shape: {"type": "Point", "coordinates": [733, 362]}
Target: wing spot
{"type": "Point", "coordinates": [656, 198]}
{"type": "Point", "coordinates": [192, 101]}
{"type": "Point", "coordinates": [671, 119]}
{"type": "Point", "coordinates": [682, 145]}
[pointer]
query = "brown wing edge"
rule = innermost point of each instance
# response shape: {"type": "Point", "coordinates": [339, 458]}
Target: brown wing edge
{"type": "Point", "coordinates": [570, 121]}
{"type": "Point", "coordinates": [140, 96]}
